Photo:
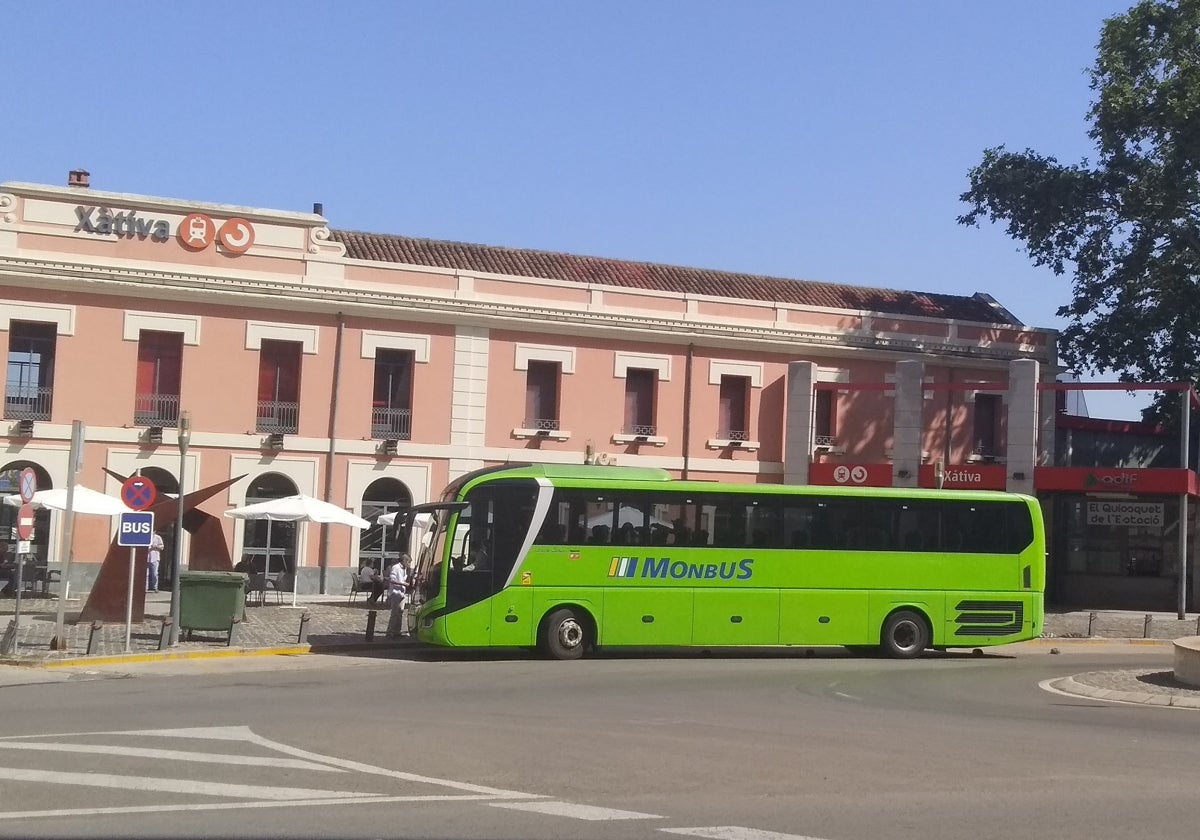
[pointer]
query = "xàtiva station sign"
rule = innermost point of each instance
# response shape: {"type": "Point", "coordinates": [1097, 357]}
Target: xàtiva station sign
{"type": "Point", "coordinates": [196, 231]}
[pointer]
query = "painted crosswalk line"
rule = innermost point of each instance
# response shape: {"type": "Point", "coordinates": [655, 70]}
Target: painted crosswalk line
{"type": "Point", "coordinates": [735, 832]}
{"type": "Point", "coordinates": [574, 811]}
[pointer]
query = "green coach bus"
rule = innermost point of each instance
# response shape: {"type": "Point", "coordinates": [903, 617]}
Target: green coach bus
{"type": "Point", "coordinates": [571, 558]}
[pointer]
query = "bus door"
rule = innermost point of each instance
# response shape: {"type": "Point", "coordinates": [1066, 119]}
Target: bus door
{"type": "Point", "coordinates": [489, 542]}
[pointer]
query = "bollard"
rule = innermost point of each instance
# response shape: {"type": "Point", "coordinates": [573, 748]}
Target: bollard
{"type": "Point", "coordinates": [164, 634]}
{"type": "Point", "coordinates": [371, 626]}
{"type": "Point", "coordinates": [1146, 626]}
{"type": "Point", "coordinates": [302, 636]}
{"type": "Point", "coordinates": [8, 643]}
{"type": "Point", "coordinates": [1091, 623]}
{"type": "Point", "coordinates": [94, 638]}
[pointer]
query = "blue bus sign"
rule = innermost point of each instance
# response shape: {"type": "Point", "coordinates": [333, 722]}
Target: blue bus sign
{"type": "Point", "coordinates": [135, 529]}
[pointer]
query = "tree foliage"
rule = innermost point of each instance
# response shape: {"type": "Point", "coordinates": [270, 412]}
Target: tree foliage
{"type": "Point", "coordinates": [1126, 228]}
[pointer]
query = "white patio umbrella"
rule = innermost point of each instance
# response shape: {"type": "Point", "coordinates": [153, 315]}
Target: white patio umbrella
{"type": "Point", "coordinates": [86, 501]}
{"type": "Point", "coordinates": [298, 508]}
{"type": "Point", "coordinates": [420, 525]}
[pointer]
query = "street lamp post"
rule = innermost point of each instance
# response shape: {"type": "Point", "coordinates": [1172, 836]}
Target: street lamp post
{"type": "Point", "coordinates": [185, 437]}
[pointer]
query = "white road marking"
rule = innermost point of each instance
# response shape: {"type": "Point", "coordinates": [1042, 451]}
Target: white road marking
{"type": "Point", "coordinates": [175, 755]}
{"type": "Point", "coordinates": [246, 735]}
{"type": "Point", "coordinates": [735, 832]}
{"type": "Point", "coordinates": [576, 812]}
{"type": "Point", "coordinates": [185, 786]}
{"type": "Point", "coordinates": [847, 696]}
{"type": "Point", "coordinates": [231, 806]}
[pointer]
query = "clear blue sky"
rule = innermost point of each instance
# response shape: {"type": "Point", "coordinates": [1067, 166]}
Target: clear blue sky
{"type": "Point", "coordinates": [795, 138]}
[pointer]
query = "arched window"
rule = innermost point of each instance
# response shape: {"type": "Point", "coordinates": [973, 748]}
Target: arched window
{"type": "Point", "coordinates": [9, 474]}
{"type": "Point", "coordinates": [376, 544]}
{"type": "Point", "coordinates": [271, 546]}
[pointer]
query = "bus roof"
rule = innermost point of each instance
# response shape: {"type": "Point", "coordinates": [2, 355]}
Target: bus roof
{"type": "Point", "coordinates": [584, 475]}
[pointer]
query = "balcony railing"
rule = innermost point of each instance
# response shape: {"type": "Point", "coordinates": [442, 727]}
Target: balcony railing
{"type": "Point", "coordinates": [27, 402]}
{"type": "Point", "coordinates": [734, 434]}
{"type": "Point", "coordinates": [641, 430]}
{"type": "Point", "coordinates": [155, 409]}
{"type": "Point", "coordinates": [391, 423]}
{"type": "Point", "coordinates": [280, 418]}
{"type": "Point", "coordinates": [542, 425]}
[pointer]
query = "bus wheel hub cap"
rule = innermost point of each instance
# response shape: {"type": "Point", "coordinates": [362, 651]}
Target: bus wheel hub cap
{"type": "Point", "coordinates": [570, 633]}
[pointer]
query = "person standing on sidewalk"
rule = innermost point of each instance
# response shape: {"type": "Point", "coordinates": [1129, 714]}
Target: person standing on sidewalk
{"type": "Point", "coordinates": [397, 590]}
{"type": "Point", "coordinates": [153, 556]}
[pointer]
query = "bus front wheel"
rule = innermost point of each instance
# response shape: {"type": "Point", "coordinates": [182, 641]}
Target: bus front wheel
{"type": "Point", "coordinates": [905, 635]}
{"type": "Point", "coordinates": [564, 635]}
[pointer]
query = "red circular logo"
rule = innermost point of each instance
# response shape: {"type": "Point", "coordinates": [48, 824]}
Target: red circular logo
{"type": "Point", "coordinates": [236, 236]}
{"type": "Point", "coordinates": [196, 231]}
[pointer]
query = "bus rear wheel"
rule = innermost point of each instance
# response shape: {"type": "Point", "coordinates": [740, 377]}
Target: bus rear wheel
{"type": "Point", "coordinates": [564, 635]}
{"type": "Point", "coordinates": [905, 635]}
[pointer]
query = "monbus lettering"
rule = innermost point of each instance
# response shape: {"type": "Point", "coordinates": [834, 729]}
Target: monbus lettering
{"type": "Point", "coordinates": [664, 568]}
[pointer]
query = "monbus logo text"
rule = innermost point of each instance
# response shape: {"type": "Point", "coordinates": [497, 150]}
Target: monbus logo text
{"type": "Point", "coordinates": [664, 568]}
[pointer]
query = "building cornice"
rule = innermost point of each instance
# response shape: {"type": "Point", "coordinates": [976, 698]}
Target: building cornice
{"type": "Point", "coordinates": [87, 196]}
{"type": "Point", "coordinates": [280, 292]}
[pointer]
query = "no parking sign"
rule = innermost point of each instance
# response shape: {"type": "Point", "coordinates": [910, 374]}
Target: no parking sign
{"type": "Point", "coordinates": [138, 493]}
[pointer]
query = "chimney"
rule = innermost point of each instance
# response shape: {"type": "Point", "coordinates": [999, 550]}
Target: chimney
{"type": "Point", "coordinates": [318, 208]}
{"type": "Point", "coordinates": [78, 178]}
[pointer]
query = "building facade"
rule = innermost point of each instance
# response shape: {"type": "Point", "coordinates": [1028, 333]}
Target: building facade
{"type": "Point", "coordinates": [369, 370]}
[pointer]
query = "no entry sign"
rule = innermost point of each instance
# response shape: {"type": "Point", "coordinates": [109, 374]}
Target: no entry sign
{"type": "Point", "coordinates": [25, 521]}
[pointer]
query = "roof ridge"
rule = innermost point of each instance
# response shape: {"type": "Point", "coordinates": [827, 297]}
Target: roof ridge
{"type": "Point", "coordinates": [669, 277]}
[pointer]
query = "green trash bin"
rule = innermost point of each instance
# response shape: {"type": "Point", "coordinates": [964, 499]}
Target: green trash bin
{"type": "Point", "coordinates": [211, 600]}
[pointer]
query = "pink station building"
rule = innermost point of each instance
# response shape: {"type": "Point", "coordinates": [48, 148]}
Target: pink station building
{"type": "Point", "coordinates": [369, 370]}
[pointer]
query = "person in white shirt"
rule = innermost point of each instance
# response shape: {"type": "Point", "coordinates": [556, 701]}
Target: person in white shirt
{"type": "Point", "coordinates": [368, 576]}
{"type": "Point", "coordinates": [153, 556]}
{"type": "Point", "coordinates": [397, 589]}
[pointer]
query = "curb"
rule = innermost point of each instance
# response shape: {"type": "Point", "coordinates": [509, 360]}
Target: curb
{"type": "Point", "coordinates": [1069, 685]}
{"type": "Point", "coordinates": [1096, 640]}
{"type": "Point", "coordinates": [223, 653]}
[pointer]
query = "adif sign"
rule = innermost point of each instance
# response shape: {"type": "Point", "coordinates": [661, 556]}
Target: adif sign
{"type": "Point", "coordinates": [1126, 514]}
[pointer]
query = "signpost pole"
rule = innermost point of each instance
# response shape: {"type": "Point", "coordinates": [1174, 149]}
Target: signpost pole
{"type": "Point", "coordinates": [135, 530]}
{"type": "Point", "coordinates": [185, 436]}
{"type": "Point", "coordinates": [129, 599]}
{"type": "Point", "coordinates": [1185, 458]}
{"type": "Point", "coordinates": [25, 520]}
{"type": "Point", "coordinates": [74, 459]}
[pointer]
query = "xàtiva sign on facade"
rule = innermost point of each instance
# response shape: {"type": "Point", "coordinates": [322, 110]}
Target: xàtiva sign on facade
{"type": "Point", "coordinates": [196, 231]}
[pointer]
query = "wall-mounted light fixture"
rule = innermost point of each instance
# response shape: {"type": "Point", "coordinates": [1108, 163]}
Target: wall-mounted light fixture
{"type": "Point", "coordinates": [273, 442]}
{"type": "Point", "coordinates": [154, 435]}
{"type": "Point", "coordinates": [1018, 476]}
{"type": "Point", "coordinates": [902, 473]}
{"type": "Point", "coordinates": [23, 428]}
{"type": "Point", "coordinates": [388, 447]}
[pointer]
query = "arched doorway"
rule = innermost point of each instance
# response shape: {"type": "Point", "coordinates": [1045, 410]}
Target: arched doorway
{"type": "Point", "coordinates": [164, 484]}
{"type": "Point", "coordinates": [8, 513]}
{"type": "Point", "coordinates": [375, 546]}
{"type": "Point", "coordinates": [281, 548]}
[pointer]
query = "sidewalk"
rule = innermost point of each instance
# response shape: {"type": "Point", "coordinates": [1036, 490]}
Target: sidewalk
{"type": "Point", "coordinates": [333, 623]}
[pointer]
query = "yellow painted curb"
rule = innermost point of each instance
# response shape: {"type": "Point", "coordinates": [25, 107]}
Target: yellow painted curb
{"type": "Point", "coordinates": [158, 656]}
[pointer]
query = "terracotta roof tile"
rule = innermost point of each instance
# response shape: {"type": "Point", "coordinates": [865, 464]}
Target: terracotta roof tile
{"type": "Point", "coordinates": [665, 278]}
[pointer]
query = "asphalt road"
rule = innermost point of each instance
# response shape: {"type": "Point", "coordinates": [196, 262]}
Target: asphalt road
{"type": "Point", "coordinates": [741, 748]}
